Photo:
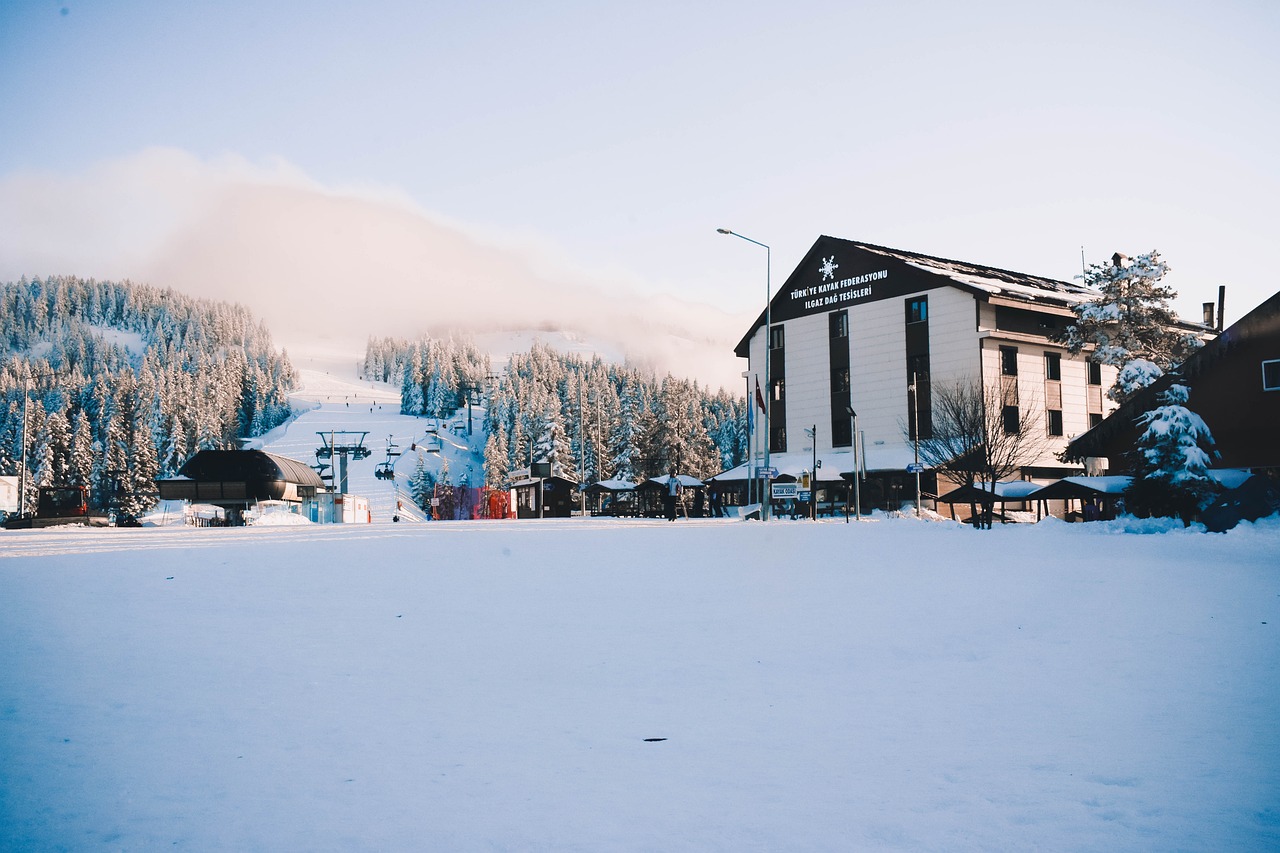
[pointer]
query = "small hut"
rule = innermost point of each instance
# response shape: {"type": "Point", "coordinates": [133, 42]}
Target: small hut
{"type": "Point", "coordinates": [237, 479]}
{"type": "Point", "coordinates": [692, 494]}
{"type": "Point", "coordinates": [1100, 493]}
{"type": "Point", "coordinates": [545, 497]}
{"type": "Point", "coordinates": [612, 497]}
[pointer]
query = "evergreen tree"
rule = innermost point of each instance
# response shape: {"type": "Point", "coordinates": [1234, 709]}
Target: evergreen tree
{"type": "Point", "coordinates": [1131, 321]}
{"type": "Point", "coordinates": [1172, 461]}
{"type": "Point", "coordinates": [628, 436]}
{"type": "Point", "coordinates": [422, 485]}
{"type": "Point", "coordinates": [80, 463]}
{"type": "Point", "coordinates": [496, 459]}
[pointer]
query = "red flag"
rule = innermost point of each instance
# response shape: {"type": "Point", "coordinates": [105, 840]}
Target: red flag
{"type": "Point", "coordinates": [760, 397]}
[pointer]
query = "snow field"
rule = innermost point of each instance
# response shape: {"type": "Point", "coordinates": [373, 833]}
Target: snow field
{"type": "Point", "coordinates": [894, 685]}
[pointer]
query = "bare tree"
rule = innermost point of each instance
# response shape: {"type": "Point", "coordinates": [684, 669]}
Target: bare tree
{"type": "Point", "coordinates": [980, 433]}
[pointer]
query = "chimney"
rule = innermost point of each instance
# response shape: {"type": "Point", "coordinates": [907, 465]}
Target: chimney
{"type": "Point", "coordinates": [1222, 301]}
{"type": "Point", "coordinates": [1208, 314]}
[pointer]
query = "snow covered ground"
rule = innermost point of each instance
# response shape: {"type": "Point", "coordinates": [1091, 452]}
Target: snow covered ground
{"type": "Point", "coordinates": [638, 685]}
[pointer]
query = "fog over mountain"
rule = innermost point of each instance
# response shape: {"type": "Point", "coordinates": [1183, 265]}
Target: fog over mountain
{"type": "Point", "coordinates": [334, 265]}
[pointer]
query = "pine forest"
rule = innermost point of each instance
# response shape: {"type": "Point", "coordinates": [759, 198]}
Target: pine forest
{"type": "Point", "coordinates": [124, 382]}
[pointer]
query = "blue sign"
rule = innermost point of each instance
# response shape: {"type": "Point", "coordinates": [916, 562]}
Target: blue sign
{"type": "Point", "coordinates": [914, 467]}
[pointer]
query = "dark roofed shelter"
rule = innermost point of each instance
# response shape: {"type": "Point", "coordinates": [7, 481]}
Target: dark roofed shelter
{"type": "Point", "coordinates": [237, 479]}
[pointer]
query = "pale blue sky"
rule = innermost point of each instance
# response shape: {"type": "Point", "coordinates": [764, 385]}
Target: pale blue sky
{"type": "Point", "coordinates": [620, 136]}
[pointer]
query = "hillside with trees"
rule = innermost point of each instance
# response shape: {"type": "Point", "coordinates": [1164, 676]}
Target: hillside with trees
{"type": "Point", "coordinates": [590, 419]}
{"type": "Point", "coordinates": [125, 381]}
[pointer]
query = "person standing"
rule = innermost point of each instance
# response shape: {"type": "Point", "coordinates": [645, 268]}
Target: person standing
{"type": "Point", "coordinates": [672, 496]}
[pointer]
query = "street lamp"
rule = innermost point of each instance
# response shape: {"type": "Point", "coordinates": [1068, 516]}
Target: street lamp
{"type": "Point", "coordinates": [765, 497]}
{"type": "Point", "coordinates": [857, 468]}
{"type": "Point", "coordinates": [812, 432]}
{"type": "Point", "coordinates": [915, 429]}
{"type": "Point", "coordinates": [746, 375]}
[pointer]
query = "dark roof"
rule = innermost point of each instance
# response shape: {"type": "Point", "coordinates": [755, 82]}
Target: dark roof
{"type": "Point", "coordinates": [980, 279]}
{"type": "Point", "coordinates": [1261, 322]}
{"type": "Point", "coordinates": [1063, 289]}
{"type": "Point", "coordinates": [248, 466]}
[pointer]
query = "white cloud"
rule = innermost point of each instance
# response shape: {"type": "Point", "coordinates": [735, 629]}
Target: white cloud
{"type": "Point", "coordinates": [319, 263]}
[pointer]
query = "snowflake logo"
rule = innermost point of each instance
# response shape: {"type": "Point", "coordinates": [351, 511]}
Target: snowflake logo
{"type": "Point", "coordinates": [828, 268]}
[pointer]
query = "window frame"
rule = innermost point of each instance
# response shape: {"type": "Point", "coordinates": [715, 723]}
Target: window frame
{"type": "Point", "coordinates": [1053, 366]}
{"type": "Point", "coordinates": [1008, 359]}
{"type": "Point", "coordinates": [1274, 363]}
{"type": "Point", "coordinates": [1053, 424]}
{"type": "Point", "coordinates": [1011, 427]}
{"type": "Point", "coordinates": [918, 310]}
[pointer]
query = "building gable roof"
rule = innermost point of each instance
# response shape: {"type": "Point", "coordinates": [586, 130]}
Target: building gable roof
{"type": "Point", "coordinates": [835, 273]}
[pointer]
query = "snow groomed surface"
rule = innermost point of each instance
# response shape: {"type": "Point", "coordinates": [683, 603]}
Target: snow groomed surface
{"type": "Point", "coordinates": [640, 685]}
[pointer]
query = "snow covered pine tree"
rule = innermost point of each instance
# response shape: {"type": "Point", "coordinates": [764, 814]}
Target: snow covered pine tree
{"type": "Point", "coordinates": [1130, 326]}
{"type": "Point", "coordinates": [1172, 461]}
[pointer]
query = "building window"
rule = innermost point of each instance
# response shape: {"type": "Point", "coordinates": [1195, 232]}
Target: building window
{"type": "Point", "coordinates": [842, 432]}
{"type": "Point", "coordinates": [840, 324]}
{"type": "Point", "coordinates": [779, 390]}
{"type": "Point", "coordinates": [1011, 424]}
{"type": "Point", "coordinates": [1095, 373]}
{"type": "Point", "coordinates": [1052, 366]}
{"type": "Point", "coordinates": [1094, 419]}
{"type": "Point", "coordinates": [778, 441]}
{"type": "Point", "coordinates": [840, 380]}
{"type": "Point", "coordinates": [918, 309]}
{"type": "Point", "coordinates": [775, 337]}
{"type": "Point", "coordinates": [1055, 421]}
{"type": "Point", "coordinates": [917, 368]}
{"type": "Point", "coordinates": [1271, 375]}
{"type": "Point", "coordinates": [1009, 361]}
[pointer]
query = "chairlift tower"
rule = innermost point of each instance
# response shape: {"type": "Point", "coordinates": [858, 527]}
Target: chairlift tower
{"type": "Point", "coordinates": [352, 447]}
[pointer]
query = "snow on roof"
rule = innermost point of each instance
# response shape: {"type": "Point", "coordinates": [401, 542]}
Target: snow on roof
{"type": "Point", "coordinates": [613, 485]}
{"type": "Point", "coordinates": [835, 463]}
{"type": "Point", "coordinates": [1230, 478]}
{"type": "Point", "coordinates": [1011, 490]}
{"type": "Point", "coordinates": [1109, 485]}
{"type": "Point", "coordinates": [684, 480]}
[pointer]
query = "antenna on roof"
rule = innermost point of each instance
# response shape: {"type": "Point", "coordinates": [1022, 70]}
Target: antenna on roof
{"type": "Point", "coordinates": [1084, 270]}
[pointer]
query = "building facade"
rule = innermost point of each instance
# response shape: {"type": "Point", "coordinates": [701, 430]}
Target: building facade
{"type": "Point", "coordinates": [854, 325]}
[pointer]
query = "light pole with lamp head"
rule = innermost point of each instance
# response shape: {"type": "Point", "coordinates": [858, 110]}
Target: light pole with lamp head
{"type": "Point", "coordinates": [857, 467]}
{"type": "Point", "coordinates": [765, 497]}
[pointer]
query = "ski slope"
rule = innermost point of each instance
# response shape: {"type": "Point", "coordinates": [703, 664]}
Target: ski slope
{"type": "Point", "coordinates": [332, 398]}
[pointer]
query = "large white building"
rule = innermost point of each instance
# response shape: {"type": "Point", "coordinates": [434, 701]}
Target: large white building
{"type": "Point", "coordinates": [854, 322]}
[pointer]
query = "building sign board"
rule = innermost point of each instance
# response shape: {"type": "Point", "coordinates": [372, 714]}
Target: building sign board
{"type": "Point", "coordinates": [784, 490]}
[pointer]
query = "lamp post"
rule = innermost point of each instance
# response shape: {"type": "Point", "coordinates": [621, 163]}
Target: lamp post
{"type": "Point", "coordinates": [812, 432]}
{"type": "Point", "coordinates": [765, 497]}
{"type": "Point", "coordinates": [857, 467]}
{"type": "Point", "coordinates": [746, 375]}
{"type": "Point", "coordinates": [915, 429]}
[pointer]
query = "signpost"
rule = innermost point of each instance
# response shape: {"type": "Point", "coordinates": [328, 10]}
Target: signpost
{"type": "Point", "coordinates": [914, 467]}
